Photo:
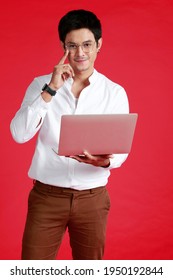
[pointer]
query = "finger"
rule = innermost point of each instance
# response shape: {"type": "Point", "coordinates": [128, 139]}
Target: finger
{"type": "Point", "coordinates": [93, 157]}
{"type": "Point", "coordinates": [78, 158]}
{"type": "Point", "coordinates": [67, 68]}
{"type": "Point", "coordinates": [62, 60]}
{"type": "Point", "coordinates": [66, 74]}
{"type": "Point", "coordinates": [108, 156]}
{"type": "Point", "coordinates": [88, 155]}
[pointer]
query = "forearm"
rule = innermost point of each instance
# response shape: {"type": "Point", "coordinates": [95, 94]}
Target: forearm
{"type": "Point", "coordinates": [28, 120]}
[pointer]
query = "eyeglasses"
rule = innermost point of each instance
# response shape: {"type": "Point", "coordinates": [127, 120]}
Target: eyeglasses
{"type": "Point", "coordinates": [86, 47]}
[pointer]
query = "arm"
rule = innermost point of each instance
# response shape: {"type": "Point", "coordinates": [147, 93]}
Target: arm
{"type": "Point", "coordinates": [35, 105]}
{"type": "Point", "coordinates": [121, 107]}
{"type": "Point", "coordinates": [30, 116]}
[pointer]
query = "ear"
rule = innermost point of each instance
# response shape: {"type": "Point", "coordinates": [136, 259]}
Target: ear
{"type": "Point", "coordinates": [100, 41]}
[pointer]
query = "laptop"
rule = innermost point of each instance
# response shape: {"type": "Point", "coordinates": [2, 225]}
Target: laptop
{"type": "Point", "coordinates": [97, 134]}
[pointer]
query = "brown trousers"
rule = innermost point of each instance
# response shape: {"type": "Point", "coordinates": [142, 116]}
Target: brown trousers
{"type": "Point", "coordinates": [51, 210]}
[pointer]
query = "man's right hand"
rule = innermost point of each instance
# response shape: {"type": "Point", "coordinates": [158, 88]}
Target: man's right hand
{"type": "Point", "coordinates": [61, 72]}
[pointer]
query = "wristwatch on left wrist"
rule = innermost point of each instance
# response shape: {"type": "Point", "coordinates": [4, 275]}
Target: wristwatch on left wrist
{"type": "Point", "coordinates": [49, 90]}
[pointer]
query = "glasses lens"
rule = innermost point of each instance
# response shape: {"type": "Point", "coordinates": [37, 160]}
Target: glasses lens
{"type": "Point", "coordinates": [87, 47]}
{"type": "Point", "coordinates": [71, 47]}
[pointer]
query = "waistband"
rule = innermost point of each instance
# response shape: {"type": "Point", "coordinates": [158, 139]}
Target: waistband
{"type": "Point", "coordinates": [56, 189]}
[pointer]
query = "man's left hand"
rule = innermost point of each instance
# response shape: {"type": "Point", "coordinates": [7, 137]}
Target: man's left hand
{"type": "Point", "coordinates": [96, 160]}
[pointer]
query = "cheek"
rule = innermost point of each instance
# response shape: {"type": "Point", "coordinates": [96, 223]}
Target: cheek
{"type": "Point", "coordinates": [93, 57]}
{"type": "Point", "coordinates": [70, 58]}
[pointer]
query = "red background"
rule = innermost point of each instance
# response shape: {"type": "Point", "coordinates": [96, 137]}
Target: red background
{"type": "Point", "coordinates": [137, 53]}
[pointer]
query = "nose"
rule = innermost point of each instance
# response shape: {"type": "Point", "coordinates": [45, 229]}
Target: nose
{"type": "Point", "coordinates": [79, 50]}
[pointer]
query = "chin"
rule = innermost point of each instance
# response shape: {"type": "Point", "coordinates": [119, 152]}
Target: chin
{"type": "Point", "coordinates": [83, 68]}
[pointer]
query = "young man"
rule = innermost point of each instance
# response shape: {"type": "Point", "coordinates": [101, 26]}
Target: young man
{"type": "Point", "coordinates": [68, 192]}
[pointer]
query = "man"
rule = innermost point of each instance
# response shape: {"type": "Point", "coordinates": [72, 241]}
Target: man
{"type": "Point", "coordinates": [68, 192]}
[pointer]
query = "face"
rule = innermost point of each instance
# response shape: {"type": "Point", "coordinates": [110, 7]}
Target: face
{"type": "Point", "coordinates": [82, 49]}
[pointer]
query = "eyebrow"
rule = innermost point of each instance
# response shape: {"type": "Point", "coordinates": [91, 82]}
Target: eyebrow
{"type": "Point", "coordinates": [88, 41]}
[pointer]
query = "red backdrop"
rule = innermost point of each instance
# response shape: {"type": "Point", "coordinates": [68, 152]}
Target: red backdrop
{"type": "Point", "coordinates": [137, 53]}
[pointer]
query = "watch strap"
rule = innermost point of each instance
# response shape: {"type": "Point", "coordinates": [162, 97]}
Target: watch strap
{"type": "Point", "coordinates": [49, 90]}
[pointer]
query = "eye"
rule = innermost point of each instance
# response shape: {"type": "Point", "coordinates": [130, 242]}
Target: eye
{"type": "Point", "coordinates": [72, 46]}
{"type": "Point", "coordinates": [87, 45]}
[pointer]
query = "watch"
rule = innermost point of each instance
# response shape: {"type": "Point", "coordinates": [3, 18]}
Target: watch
{"type": "Point", "coordinates": [49, 90]}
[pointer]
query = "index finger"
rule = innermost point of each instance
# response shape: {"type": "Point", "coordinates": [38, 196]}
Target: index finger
{"type": "Point", "coordinates": [62, 60]}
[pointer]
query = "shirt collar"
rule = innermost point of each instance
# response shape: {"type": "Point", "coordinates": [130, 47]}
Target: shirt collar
{"type": "Point", "coordinates": [93, 77]}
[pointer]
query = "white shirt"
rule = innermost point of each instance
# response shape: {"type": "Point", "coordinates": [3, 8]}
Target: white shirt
{"type": "Point", "coordinates": [102, 96]}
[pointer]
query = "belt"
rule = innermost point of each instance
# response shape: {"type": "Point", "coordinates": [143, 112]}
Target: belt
{"type": "Point", "coordinates": [57, 189]}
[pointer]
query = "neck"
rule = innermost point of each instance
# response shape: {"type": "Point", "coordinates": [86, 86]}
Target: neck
{"type": "Point", "coordinates": [83, 76]}
{"type": "Point", "coordinates": [81, 81]}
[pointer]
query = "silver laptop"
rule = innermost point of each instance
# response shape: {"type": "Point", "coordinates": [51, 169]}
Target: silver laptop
{"type": "Point", "coordinates": [97, 134]}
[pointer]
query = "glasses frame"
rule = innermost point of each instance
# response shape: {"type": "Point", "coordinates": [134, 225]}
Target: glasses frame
{"type": "Point", "coordinates": [80, 45]}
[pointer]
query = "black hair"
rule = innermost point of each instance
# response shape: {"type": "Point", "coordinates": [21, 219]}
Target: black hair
{"type": "Point", "coordinates": [77, 19]}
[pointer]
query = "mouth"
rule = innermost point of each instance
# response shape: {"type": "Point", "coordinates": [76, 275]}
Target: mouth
{"type": "Point", "coordinates": [80, 60]}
